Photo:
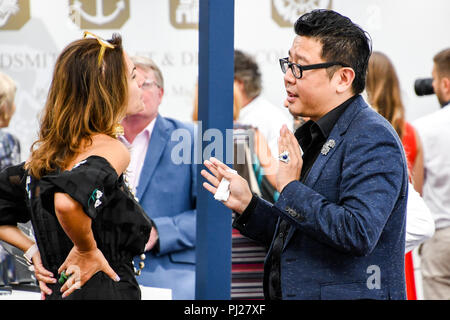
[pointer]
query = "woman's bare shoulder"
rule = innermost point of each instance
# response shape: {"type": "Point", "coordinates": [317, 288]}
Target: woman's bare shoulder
{"type": "Point", "coordinates": [113, 150]}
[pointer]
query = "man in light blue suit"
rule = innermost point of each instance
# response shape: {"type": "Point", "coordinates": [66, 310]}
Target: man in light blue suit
{"type": "Point", "coordinates": [164, 179]}
{"type": "Point", "coordinates": [337, 230]}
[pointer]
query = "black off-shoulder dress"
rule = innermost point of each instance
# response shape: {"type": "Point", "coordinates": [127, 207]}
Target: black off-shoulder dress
{"type": "Point", "coordinates": [121, 228]}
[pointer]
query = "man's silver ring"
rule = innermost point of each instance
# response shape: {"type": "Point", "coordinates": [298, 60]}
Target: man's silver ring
{"type": "Point", "coordinates": [284, 156]}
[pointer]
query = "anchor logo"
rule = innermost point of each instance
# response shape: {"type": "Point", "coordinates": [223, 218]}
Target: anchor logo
{"type": "Point", "coordinates": [14, 14]}
{"type": "Point", "coordinates": [99, 18]}
{"type": "Point", "coordinates": [101, 15]}
{"type": "Point", "coordinates": [7, 9]}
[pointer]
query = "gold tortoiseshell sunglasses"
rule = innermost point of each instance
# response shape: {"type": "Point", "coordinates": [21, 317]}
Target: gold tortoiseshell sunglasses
{"type": "Point", "coordinates": [103, 43]}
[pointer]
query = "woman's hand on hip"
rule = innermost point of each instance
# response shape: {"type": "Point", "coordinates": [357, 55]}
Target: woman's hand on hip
{"type": "Point", "coordinates": [80, 266]}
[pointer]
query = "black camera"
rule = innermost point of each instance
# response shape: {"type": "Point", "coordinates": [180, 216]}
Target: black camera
{"type": "Point", "coordinates": [424, 86]}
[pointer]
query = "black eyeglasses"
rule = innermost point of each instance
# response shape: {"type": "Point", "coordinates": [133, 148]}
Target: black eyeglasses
{"type": "Point", "coordinates": [297, 69]}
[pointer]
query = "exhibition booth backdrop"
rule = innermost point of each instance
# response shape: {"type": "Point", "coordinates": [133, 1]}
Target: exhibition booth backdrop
{"type": "Point", "coordinates": [32, 33]}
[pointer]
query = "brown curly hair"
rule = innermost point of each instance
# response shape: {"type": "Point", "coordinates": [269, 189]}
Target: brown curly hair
{"type": "Point", "coordinates": [84, 99]}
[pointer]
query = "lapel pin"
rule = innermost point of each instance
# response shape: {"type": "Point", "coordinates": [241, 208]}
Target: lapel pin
{"type": "Point", "coordinates": [328, 146]}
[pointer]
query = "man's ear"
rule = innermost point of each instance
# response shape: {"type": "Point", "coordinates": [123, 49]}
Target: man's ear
{"type": "Point", "coordinates": [343, 78]}
{"type": "Point", "coordinates": [238, 87]}
{"type": "Point", "coordinates": [239, 84]}
{"type": "Point", "coordinates": [446, 84]}
{"type": "Point", "coordinates": [160, 94]}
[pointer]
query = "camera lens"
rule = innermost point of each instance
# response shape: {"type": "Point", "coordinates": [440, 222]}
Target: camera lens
{"type": "Point", "coordinates": [423, 86]}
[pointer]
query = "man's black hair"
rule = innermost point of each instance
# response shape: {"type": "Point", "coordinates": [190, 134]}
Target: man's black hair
{"type": "Point", "coordinates": [341, 39]}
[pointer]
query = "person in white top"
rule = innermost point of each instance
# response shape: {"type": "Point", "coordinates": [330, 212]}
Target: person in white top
{"type": "Point", "coordinates": [434, 130]}
{"type": "Point", "coordinates": [255, 109]}
{"type": "Point", "coordinates": [419, 221]}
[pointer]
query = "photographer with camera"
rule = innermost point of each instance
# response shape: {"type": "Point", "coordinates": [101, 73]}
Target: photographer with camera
{"type": "Point", "coordinates": [434, 129]}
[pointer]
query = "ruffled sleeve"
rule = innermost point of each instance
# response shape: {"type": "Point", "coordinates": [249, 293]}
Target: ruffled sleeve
{"type": "Point", "coordinates": [13, 202]}
{"type": "Point", "coordinates": [120, 225]}
{"type": "Point", "coordinates": [91, 182]}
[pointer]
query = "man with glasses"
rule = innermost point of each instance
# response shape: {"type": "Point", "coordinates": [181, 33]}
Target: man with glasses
{"type": "Point", "coordinates": [165, 188]}
{"type": "Point", "coordinates": [337, 230]}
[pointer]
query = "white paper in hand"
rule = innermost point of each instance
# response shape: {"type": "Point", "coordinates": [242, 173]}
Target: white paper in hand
{"type": "Point", "coordinates": [223, 190]}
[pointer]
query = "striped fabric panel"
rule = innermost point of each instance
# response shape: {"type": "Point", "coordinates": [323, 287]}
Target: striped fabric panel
{"type": "Point", "coordinates": [247, 268]}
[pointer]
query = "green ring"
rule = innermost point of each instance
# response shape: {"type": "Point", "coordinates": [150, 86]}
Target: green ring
{"type": "Point", "coordinates": [63, 278]}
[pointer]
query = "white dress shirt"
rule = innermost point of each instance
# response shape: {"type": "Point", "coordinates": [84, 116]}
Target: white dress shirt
{"type": "Point", "coordinates": [138, 150]}
{"type": "Point", "coordinates": [268, 118]}
{"type": "Point", "coordinates": [434, 130]}
{"type": "Point", "coordinates": [419, 221]}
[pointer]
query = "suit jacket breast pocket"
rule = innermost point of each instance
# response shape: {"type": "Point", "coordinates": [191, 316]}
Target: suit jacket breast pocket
{"type": "Point", "coordinates": [351, 291]}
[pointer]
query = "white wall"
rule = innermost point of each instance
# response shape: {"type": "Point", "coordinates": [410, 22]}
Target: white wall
{"type": "Point", "coordinates": [409, 31]}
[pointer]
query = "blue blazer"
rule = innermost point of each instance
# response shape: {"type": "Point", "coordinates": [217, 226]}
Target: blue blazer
{"type": "Point", "coordinates": [347, 235]}
{"type": "Point", "coordinates": [167, 192]}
